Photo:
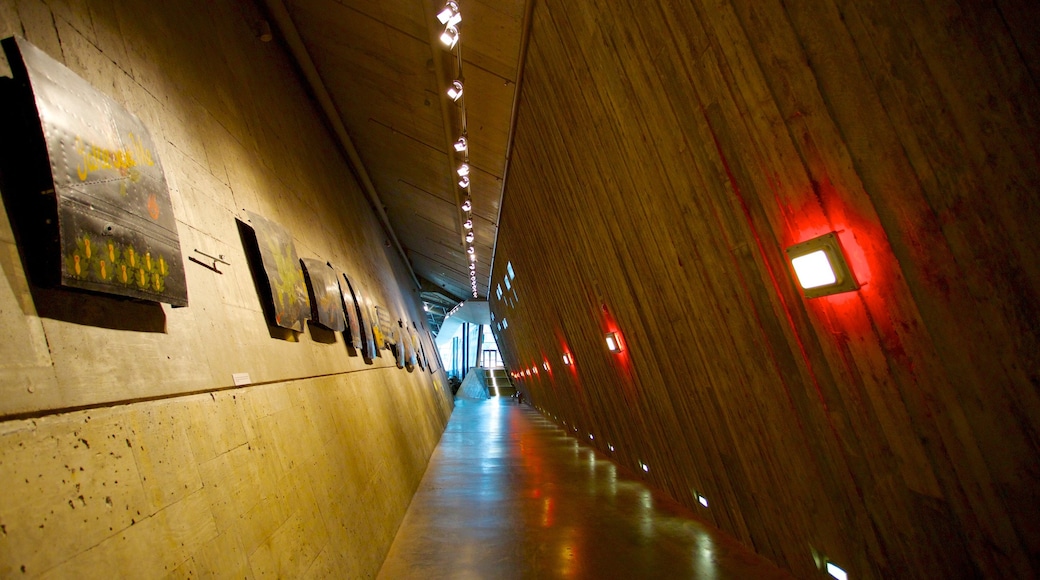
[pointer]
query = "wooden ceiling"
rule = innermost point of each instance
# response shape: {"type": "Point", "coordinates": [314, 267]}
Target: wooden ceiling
{"type": "Point", "coordinates": [386, 71]}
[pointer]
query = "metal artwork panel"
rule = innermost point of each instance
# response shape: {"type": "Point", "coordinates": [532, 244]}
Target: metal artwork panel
{"type": "Point", "coordinates": [353, 318]}
{"type": "Point", "coordinates": [288, 292]}
{"type": "Point", "coordinates": [368, 332]}
{"type": "Point", "coordinates": [116, 231]}
{"type": "Point", "coordinates": [386, 326]}
{"type": "Point", "coordinates": [414, 353]}
{"type": "Point", "coordinates": [325, 295]}
{"type": "Point", "coordinates": [398, 345]}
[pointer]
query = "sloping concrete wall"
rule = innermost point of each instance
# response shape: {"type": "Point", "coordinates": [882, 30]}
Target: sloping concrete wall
{"type": "Point", "coordinates": [127, 448]}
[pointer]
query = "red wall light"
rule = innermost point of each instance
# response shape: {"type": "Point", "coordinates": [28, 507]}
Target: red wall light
{"type": "Point", "coordinates": [614, 342]}
{"type": "Point", "coordinates": [566, 359]}
{"type": "Point", "coordinates": [821, 267]}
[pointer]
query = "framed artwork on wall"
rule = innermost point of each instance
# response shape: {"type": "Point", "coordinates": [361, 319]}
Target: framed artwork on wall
{"type": "Point", "coordinates": [285, 291]}
{"type": "Point", "coordinates": [84, 186]}
{"type": "Point", "coordinates": [324, 294]}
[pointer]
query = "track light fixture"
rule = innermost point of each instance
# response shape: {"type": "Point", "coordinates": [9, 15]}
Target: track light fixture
{"type": "Point", "coordinates": [455, 90]}
{"type": "Point", "coordinates": [467, 205]}
{"type": "Point", "coordinates": [472, 257]}
{"type": "Point", "coordinates": [472, 266]}
{"type": "Point", "coordinates": [463, 170]}
{"type": "Point", "coordinates": [470, 250]}
{"type": "Point", "coordinates": [450, 36]}
{"type": "Point", "coordinates": [462, 145]}
{"type": "Point", "coordinates": [450, 14]}
{"type": "Point", "coordinates": [468, 224]}
{"type": "Point", "coordinates": [464, 182]}
{"type": "Point", "coordinates": [469, 237]}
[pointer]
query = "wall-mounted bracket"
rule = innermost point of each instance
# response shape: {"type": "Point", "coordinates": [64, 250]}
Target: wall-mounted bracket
{"type": "Point", "coordinates": [219, 258]}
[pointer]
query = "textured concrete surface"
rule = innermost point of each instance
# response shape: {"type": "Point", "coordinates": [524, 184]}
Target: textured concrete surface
{"type": "Point", "coordinates": [510, 495]}
{"type": "Point", "coordinates": [130, 452]}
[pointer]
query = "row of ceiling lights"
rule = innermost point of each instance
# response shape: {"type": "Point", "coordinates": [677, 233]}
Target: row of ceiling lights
{"type": "Point", "coordinates": [450, 17]}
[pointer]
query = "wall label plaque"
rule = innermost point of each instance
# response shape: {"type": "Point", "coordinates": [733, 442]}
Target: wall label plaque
{"type": "Point", "coordinates": [89, 193]}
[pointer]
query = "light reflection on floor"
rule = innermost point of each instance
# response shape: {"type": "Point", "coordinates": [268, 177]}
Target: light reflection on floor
{"type": "Point", "coordinates": [510, 495]}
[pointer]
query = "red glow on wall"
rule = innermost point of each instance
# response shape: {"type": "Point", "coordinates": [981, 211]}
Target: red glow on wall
{"type": "Point", "coordinates": [622, 360]}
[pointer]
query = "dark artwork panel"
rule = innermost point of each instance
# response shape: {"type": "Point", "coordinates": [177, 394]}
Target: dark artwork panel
{"type": "Point", "coordinates": [325, 296]}
{"type": "Point", "coordinates": [416, 353]}
{"type": "Point", "coordinates": [88, 190]}
{"type": "Point", "coordinates": [397, 346]}
{"type": "Point", "coordinates": [420, 355]}
{"type": "Point", "coordinates": [286, 290]}
{"type": "Point", "coordinates": [370, 350]}
{"type": "Point", "coordinates": [409, 345]}
{"type": "Point", "coordinates": [353, 318]}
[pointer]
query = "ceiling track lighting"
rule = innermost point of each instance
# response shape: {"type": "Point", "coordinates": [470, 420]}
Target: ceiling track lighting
{"type": "Point", "coordinates": [450, 14]}
{"type": "Point", "coordinates": [455, 90]}
{"type": "Point", "coordinates": [450, 36]}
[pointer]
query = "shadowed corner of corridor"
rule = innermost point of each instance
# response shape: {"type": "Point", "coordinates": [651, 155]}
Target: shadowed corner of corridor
{"type": "Point", "coordinates": [508, 494]}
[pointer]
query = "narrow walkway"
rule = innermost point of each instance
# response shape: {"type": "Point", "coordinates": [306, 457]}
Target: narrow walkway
{"type": "Point", "coordinates": [510, 495]}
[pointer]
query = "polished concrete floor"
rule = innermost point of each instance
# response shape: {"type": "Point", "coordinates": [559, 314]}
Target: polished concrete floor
{"type": "Point", "coordinates": [509, 495]}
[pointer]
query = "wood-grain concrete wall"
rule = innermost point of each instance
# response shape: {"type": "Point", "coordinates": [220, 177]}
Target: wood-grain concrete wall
{"type": "Point", "coordinates": [127, 450]}
{"type": "Point", "coordinates": [668, 152]}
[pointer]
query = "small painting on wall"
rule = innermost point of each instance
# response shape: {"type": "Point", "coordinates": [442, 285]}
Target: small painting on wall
{"type": "Point", "coordinates": [286, 290]}
{"type": "Point", "coordinates": [324, 294]}
{"type": "Point", "coordinates": [84, 186]}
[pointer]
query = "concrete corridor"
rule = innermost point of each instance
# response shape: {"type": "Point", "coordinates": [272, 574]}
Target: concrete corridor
{"type": "Point", "coordinates": [509, 495]}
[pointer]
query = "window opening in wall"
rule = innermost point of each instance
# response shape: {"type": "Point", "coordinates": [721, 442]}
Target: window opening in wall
{"type": "Point", "coordinates": [509, 268]}
{"type": "Point", "coordinates": [507, 283]}
{"type": "Point", "coordinates": [498, 291]}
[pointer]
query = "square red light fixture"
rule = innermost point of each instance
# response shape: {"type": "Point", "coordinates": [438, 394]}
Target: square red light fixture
{"type": "Point", "coordinates": [614, 342]}
{"type": "Point", "coordinates": [821, 267]}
